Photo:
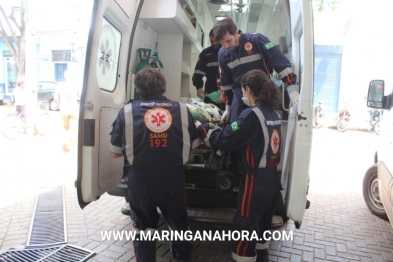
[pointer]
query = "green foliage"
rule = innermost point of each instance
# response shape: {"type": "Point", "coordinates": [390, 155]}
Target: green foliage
{"type": "Point", "coordinates": [321, 5]}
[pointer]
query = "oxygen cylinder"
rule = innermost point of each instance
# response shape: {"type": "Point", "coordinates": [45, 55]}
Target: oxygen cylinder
{"type": "Point", "coordinates": [144, 57]}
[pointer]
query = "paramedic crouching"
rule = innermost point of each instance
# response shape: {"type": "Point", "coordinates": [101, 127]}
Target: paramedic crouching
{"type": "Point", "coordinates": [257, 133]}
{"type": "Point", "coordinates": [156, 135]}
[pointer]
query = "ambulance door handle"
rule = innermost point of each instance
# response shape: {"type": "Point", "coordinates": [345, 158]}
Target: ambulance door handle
{"type": "Point", "coordinates": [89, 132]}
{"type": "Point", "coordinates": [300, 117]}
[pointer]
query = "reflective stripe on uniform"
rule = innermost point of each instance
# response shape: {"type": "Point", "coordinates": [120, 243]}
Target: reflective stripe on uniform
{"type": "Point", "coordinates": [233, 64]}
{"type": "Point", "coordinates": [206, 140]}
{"type": "Point", "coordinates": [238, 258]}
{"type": "Point", "coordinates": [199, 72]}
{"type": "Point", "coordinates": [212, 64]}
{"type": "Point", "coordinates": [115, 149]}
{"type": "Point", "coordinates": [244, 60]}
{"type": "Point", "coordinates": [129, 125]}
{"type": "Point", "coordinates": [262, 162]}
{"type": "Point", "coordinates": [260, 246]}
{"type": "Point", "coordinates": [285, 72]}
{"type": "Point", "coordinates": [229, 87]}
{"type": "Point", "coordinates": [186, 136]}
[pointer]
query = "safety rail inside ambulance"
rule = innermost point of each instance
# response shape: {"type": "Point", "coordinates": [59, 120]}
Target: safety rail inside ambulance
{"type": "Point", "coordinates": [169, 35]}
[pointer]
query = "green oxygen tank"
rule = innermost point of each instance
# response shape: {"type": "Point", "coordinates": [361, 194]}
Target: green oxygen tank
{"type": "Point", "coordinates": [144, 57]}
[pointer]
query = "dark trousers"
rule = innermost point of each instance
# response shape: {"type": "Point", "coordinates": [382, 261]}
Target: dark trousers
{"type": "Point", "coordinates": [171, 201]}
{"type": "Point", "coordinates": [254, 210]}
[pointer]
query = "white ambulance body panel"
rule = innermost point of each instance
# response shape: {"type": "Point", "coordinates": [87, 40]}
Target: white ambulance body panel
{"type": "Point", "coordinates": [297, 154]}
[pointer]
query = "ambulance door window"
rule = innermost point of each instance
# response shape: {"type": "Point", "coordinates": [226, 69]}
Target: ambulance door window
{"type": "Point", "coordinates": [108, 56]}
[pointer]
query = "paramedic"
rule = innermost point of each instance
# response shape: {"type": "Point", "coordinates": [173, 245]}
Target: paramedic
{"type": "Point", "coordinates": [257, 133]}
{"type": "Point", "coordinates": [207, 66]}
{"type": "Point", "coordinates": [241, 53]}
{"type": "Point", "coordinates": [156, 135]}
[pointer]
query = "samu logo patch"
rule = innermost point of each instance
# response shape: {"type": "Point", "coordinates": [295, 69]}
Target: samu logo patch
{"type": "Point", "coordinates": [235, 126]}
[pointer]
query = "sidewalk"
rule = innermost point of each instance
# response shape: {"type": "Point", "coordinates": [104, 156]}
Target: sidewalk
{"type": "Point", "coordinates": [337, 227]}
{"type": "Point", "coordinates": [34, 162]}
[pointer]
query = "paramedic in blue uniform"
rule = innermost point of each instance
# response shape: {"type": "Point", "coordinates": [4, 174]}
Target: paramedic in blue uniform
{"type": "Point", "coordinates": [207, 66]}
{"type": "Point", "coordinates": [156, 135]}
{"type": "Point", "coordinates": [257, 133]}
{"type": "Point", "coordinates": [242, 52]}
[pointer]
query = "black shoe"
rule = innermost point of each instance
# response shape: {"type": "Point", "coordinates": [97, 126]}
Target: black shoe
{"type": "Point", "coordinates": [125, 209]}
{"type": "Point", "coordinates": [262, 255]}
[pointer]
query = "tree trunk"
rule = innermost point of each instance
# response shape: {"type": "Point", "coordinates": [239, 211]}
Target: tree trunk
{"type": "Point", "coordinates": [21, 59]}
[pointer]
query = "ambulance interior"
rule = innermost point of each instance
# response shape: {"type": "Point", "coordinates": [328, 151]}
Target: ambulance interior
{"type": "Point", "coordinates": [177, 31]}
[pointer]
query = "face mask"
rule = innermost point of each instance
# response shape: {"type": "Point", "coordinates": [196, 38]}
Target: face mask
{"type": "Point", "coordinates": [246, 101]}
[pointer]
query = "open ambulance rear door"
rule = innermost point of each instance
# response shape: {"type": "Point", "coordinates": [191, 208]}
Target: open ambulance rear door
{"type": "Point", "coordinates": [104, 92]}
{"type": "Point", "coordinates": [296, 162]}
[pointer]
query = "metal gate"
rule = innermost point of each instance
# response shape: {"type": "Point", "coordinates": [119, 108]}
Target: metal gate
{"type": "Point", "coordinates": [327, 73]}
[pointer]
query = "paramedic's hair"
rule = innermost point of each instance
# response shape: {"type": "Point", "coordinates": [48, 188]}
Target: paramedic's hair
{"type": "Point", "coordinates": [221, 28]}
{"type": "Point", "coordinates": [149, 81]}
{"type": "Point", "coordinates": [211, 33]}
{"type": "Point", "coordinates": [263, 88]}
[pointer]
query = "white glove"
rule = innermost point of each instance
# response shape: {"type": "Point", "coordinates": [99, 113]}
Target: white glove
{"type": "Point", "coordinates": [293, 94]}
{"type": "Point", "coordinates": [227, 113]}
{"type": "Point", "coordinates": [200, 93]}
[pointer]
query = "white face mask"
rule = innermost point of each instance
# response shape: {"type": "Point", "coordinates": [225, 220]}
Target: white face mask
{"type": "Point", "coordinates": [246, 101]}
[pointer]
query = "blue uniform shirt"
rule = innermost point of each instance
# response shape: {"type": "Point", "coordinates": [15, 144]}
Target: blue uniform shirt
{"type": "Point", "coordinates": [255, 51]}
{"type": "Point", "coordinates": [207, 66]}
{"type": "Point", "coordinates": [156, 135]}
{"type": "Point", "coordinates": [257, 133]}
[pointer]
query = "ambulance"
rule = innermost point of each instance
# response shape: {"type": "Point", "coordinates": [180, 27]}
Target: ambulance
{"type": "Point", "coordinates": [377, 181]}
{"type": "Point", "coordinates": [169, 35]}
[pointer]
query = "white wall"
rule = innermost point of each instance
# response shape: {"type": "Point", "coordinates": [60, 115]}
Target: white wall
{"type": "Point", "coordinates": [367, 51]}
{"type": "Point", "coordinates": [145, 37]}
{"type": "Point", "coordinates": [170, 51]}
{"type": "Point", "coordinates": [170, 48]}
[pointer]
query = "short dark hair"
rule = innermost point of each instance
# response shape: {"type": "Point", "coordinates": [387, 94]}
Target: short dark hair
{"type": "Point", "coordinates": [149, 81]}
{"type": "Point", "coordinates": [211, 33]}
{"type": "Point", "coordinates": [263, 88]}
{"type": "Point", "coordinates": [221, 28]}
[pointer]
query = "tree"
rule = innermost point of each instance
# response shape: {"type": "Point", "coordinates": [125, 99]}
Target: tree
{"type": "Point", "coordinates": [16, 27]}
{"type": "Point", "coordinates": [321, 4]}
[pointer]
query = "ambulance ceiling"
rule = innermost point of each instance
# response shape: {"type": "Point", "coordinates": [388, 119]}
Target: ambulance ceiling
{"type": "Point", "coordinates": [246, 13]}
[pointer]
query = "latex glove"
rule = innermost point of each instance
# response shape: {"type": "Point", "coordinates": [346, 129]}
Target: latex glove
{"type": "Point", "coordinates": [293, 94]}
{"type": "Point", "coordinates": [197, 123]}
{"type": "Point", "coordinates": [227, 113]}
{"type": "Point", "coordinates": [200, 93]}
